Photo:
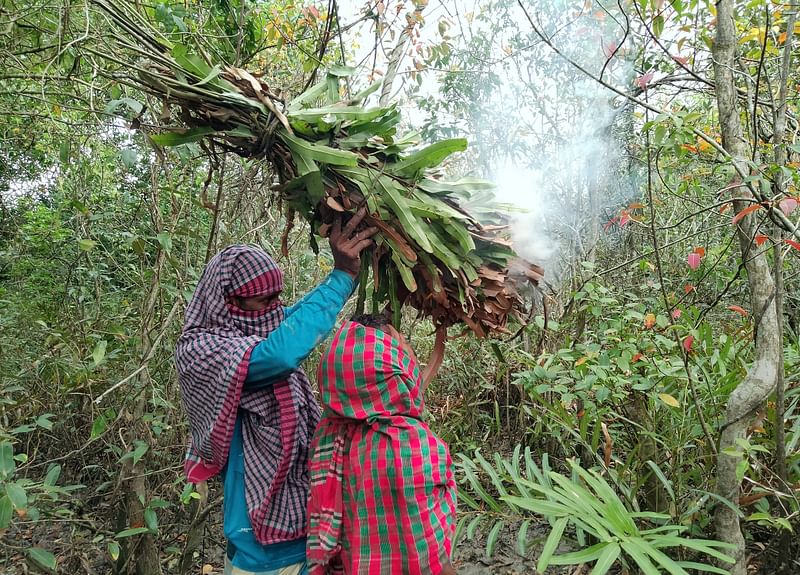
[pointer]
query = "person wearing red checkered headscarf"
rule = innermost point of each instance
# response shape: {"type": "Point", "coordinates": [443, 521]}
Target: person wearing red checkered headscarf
{"type": "Point", "coordinates": [383, 494]}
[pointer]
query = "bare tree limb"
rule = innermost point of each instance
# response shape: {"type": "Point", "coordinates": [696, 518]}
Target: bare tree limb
{"type": "Point", "coordinates": [397, 54]}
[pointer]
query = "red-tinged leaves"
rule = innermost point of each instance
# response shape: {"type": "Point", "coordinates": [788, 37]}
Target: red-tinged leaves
{"type": "Point", "coordinates": [793, 243]}
{"type": "Point", "coordinates": [687, 343]}
{"type": "Point", "coordinates": [748, 210]}
{"type": "Point", "coordinates": [609, 48]}
{"type": "Point", "coordinates": [689, 288]}
{"type": "Point", "coordinates": [725, 207]}
{"type": "Point", "coordinates": [694, 260]}
{"type": "Point", "coordinates": [740, 310]}
{"type": "Point", "coordinates": [621, 220]}
{"type": "Point", "coordinates": [676, 314]}
{"type": "Point", "coordinates": [313, 11]}
{"type": "Point", "coordinates": [760, 239]}
{"type": "Point", "coordinates": [683, 60]}
{"type": "Point", "coordinates": [637, 357]}
{"type": "Point", "coordinates": [643, 80]}
{"type": "Point", "coordinates": [700, 251]}
{"type": "Point", "coordinates": [788, 205]}
{"type": "Point", "coordinates": [649, 320]}
{"type": "Point", "coordinates": [689, 148]}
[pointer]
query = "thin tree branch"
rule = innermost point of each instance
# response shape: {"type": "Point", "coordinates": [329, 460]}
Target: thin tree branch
{"type": "Point", "coordinates": [780, 217]}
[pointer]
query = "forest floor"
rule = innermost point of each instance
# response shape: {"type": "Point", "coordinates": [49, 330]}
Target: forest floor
{"type": "Point", "coordinates": [79, 532]}
{"type": "Point", "coordinates": [81, 548]}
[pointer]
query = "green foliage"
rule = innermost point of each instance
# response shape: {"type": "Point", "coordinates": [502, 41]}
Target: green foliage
{"type": "Point", "coordinates": [21, 498]}
{"type": "Point", "coordinates": [606, 529]}
{"type": "Point", "coordinates": [102, 235]}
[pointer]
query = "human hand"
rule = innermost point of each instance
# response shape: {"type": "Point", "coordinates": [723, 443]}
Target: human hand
{"type": "Point", "coordinates": [347, 246]}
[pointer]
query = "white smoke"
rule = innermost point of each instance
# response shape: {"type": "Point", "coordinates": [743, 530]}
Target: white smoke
{"type": "Point", "coordinates": [558, 115]}
{"type": "Point", "coordinates": [576, 153]}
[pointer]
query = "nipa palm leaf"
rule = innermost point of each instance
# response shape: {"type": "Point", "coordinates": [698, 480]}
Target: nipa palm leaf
{"type": "Point", "coordinates": [430, 252]}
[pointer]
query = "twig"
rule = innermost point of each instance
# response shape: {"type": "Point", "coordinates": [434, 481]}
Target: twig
{"type": "Point", "coordinates": [323, 46]}
{"type": "Point", "coordinates": [619, 45]}
{"type": "Point", "coordinates": [149, 355]}
{"type": "Point", "coordinates": [758, 81]}
{"type": "Point", "coordinates": [777, 214]}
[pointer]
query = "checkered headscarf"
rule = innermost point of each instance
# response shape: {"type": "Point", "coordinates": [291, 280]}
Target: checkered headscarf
{"type": "Point", "coordinates": [212, 357]}
{"type": "Point", "coordinates": [383, 496]}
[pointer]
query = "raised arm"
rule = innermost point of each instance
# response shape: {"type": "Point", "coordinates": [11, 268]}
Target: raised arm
{"type": "Point", "coordinates": [309, 322]}
{"type": "Point", "coordinates": [435, 360]}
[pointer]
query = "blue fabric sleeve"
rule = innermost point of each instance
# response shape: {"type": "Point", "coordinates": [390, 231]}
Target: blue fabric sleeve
{"type": "Point", "coordinates": [305, 325]}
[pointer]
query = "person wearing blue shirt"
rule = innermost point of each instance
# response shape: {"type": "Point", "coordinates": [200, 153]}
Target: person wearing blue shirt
{"type": "Point", "coordinates": [280, 339]}
{"type": "Point", "coordinates": [307, 324]}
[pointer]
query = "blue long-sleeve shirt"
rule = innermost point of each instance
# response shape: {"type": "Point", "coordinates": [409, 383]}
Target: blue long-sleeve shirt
{"type": "Point", "coordinates": [305, 325]}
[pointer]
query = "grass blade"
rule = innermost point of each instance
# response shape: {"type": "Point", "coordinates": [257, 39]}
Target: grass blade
{"type": "Point", "coordinates": [551, 544]}
{"type": "Point", "coordinates": [705, 546]}
{"type": "Point", "coordinates": [459, 531]}
{"type": "Point", "coordinates": [473, 525]}
{"type": "Point", "coordinates": [583, 556]}
{"type": "Point", "coordinates": [642, 560]}
{"type": "Point", "coordinates": [607, 559]}
{"type": "Point", "coordinates": [703, 567]}
{"type": "Point", "coordinates": [662, 478]}
{"type": "Point", "coordinates": [522, 538]}
{"type": "Point", "coordinates": [491, 539]}
{"type": "Point", "coordinates": [662, 560]}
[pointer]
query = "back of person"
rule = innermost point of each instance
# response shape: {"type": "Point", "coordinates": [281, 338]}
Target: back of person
{"type": "Point", "coordinates": [383, 497]}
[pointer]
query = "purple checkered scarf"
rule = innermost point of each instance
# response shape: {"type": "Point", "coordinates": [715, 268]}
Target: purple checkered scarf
{"type": "Point", "coordinates": [212, 357]}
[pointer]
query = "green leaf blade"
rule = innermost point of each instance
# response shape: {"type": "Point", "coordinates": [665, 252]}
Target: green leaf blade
{"type": "Point", "coordinates": [428, 157]}
{"type": "Point", "coordinates": [43, 558]}
{"type": "Point", "coordinates": [607, 559]}
{"type": "Point", "coordinates": [551, 544]}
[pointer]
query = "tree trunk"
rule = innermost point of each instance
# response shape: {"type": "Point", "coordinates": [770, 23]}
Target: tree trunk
{"type": "Point", "coordinates": [142, 556]}
{"type": "Point", "coordinates": [761, 378]}
{"type": "Point", "coordinates": [142, 550]}
{"type": "Point", "coordinates": [779, 120]}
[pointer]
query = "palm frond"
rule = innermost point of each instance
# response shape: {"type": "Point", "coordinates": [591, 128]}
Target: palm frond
{"type": "Point", "coordinates": [333, 157]}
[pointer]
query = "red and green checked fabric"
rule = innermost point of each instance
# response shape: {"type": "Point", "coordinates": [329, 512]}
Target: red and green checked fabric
{"type": "Point", "coordinates": [383, 497]}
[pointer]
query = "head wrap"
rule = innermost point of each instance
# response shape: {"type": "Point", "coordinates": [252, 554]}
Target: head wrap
{"type": "Point", "coordinates": [212, 358]}
{"type": "Point", "coordinates": [383, 497]}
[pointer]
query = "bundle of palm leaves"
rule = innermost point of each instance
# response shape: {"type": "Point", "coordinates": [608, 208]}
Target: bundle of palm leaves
{"type": "Point", "coordinates": [334, 155]}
